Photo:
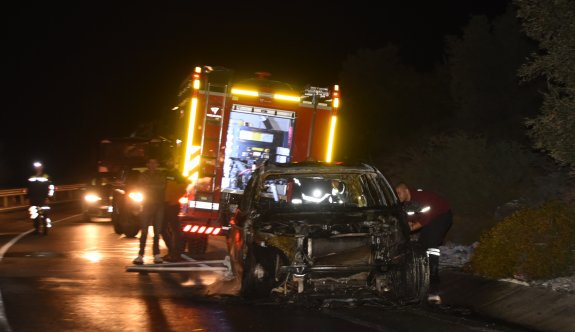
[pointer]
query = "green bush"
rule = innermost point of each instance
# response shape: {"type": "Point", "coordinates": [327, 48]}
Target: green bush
{"type": "Point", "coordinates": [536, 243]}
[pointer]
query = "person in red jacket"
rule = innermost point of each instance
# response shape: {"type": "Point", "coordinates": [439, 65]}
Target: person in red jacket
{"type": "Point", "coordinates": [430, 215]}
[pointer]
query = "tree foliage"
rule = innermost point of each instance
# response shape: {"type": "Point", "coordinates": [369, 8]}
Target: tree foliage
{"type": "Point", "coordinates": [552, 25]}
{"type": "Point", "coordinates": [483, 64]}
{"type": "Point", "coordinates": [474, 174]}
{"type": "Point", "coordinates": [387, 103]}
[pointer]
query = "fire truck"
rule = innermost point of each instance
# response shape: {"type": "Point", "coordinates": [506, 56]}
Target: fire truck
{"type": "Point", "coordinates": [226, 128]}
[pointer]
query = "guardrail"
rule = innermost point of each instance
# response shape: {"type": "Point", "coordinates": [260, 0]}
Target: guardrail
{"type": "Point", "coordinates": [15, 199]}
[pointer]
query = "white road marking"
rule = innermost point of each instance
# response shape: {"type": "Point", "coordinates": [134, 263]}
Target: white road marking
{"type": "Point", "coordinates": [4, 326]}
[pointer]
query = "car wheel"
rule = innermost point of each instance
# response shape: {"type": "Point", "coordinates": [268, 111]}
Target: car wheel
{"type": "Point", "coordinates": [259, 272]}
{"type": "Point", "coordinates": [411, 280]}
{"type": "Point", "coordinates": [197, 244]}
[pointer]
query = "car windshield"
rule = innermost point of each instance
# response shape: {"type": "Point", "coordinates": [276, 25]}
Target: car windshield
{"type": "Point", "coordinates": [312, 191]}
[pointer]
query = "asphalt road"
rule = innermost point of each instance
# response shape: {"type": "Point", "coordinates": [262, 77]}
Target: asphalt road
{"type": "Point", "coordinates": [75, 279]}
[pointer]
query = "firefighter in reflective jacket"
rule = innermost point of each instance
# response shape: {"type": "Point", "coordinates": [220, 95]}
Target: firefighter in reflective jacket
{"type": "Point", "coordinates": [430, 215]}
{"type": "Point", "coordinates": [40, 190]}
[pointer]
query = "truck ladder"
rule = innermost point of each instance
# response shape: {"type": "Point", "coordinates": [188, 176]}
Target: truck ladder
{"type": "Point", "coordinates": [213, 126]}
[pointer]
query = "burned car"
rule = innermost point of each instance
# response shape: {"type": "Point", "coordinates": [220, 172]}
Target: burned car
{"type": "Point", "coordinates": [314, 230]}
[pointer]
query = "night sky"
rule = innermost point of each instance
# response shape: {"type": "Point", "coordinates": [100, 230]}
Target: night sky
{"type": "Point", "coordinates": [74, 74]}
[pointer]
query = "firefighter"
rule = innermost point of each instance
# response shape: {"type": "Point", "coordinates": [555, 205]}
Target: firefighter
{"type": "Point", "coordinates": [153, 183]}
{"type": "Point", "coordinates": [430, 216]}
{"type": "Point", "coordinates": [175, 188]}
{"type": "Point", "coordinates": [338, 192]}
{"type": "Point", "coordinates": [39, 190]}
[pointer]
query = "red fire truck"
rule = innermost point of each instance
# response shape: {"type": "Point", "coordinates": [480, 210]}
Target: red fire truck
{"type": "Point", "coordinates": [226, 128]}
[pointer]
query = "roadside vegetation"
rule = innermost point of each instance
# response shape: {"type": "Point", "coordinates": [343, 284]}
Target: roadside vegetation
{"type": "Point", "coordinates": [489, 126]}
{"type": "Point", "coordinates": [532, 243]}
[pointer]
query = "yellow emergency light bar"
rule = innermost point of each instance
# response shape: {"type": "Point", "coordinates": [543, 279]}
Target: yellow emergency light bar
{"type": "Point", "coordinates": [331, 138]}
{"type": "Point", "coordinates": [245, 92]}
{"type": "Point", "coordinates": [190, 138]}
{"type": "Point", "coordinates": [196, 76]}
{"type": "Point", "coordinates": [335, 96]}
{"type": "Point", "coordinates": [253, 93]}
{"type": "Point", "coordinates": [286, 97]}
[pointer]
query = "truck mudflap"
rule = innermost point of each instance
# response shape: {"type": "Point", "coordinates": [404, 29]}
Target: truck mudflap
{"type": "Point", "coordinates": [191, 265]}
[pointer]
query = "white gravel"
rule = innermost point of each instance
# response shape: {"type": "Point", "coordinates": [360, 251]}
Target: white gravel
{"type": "Point", "coordinates": [456, 256]}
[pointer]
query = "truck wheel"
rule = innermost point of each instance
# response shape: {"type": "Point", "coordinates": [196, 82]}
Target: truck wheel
{"type": "Point", "coordinates": [132, 230]}
{"type": "Point", "coordinates": [116, 223]}
{"type": "Point", "coordinates": [197, 244]}
{"type": "Point", "coordinates": [116, 220]}
{"type": "Point", "coordinates": [130, 225]}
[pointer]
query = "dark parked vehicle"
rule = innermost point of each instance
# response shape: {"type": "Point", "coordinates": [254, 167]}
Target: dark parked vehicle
{"type": "Point", "coordinates": [315, 230]}
{"type": "Point", "coordinates": [127, 203]}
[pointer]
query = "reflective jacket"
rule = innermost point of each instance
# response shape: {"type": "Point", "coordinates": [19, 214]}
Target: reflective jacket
{"type": "Point", "coordinates": [39, 188]}
{"type": "Point", "coordinates": [425, 206]}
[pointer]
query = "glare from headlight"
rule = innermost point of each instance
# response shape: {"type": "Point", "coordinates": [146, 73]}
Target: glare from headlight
{"type": "Point", "coordinates": [183, 200]}
{"type": "Point", "coordinates": [136, 196]}
{"type": "Point", "coordinates": [91, 198]}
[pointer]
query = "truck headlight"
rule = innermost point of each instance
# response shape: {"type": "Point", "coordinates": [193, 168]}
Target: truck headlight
{"type": "Point", "coordinates": [136, 196]}
{"type": "Point", "coordinates": [92, 198]}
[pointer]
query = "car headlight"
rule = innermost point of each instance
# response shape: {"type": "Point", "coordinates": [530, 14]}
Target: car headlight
{"type": "Point", "coordinates": [91, 198]}
{"type": "Point", "coordinates": [136, 196]}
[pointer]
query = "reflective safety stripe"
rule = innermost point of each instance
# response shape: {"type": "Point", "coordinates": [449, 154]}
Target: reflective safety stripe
{"type": "Point", "coordinates": [433, 251]}
{"type": "Point", "coordinates": [204, 205]}
{"type": "Point", "coordinates": [38, 178]}
{"type": "Point", "coordinates": [34, 210]}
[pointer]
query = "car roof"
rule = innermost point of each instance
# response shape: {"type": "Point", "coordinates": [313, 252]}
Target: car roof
{"type": "Point", "coordinates": [310, 167]}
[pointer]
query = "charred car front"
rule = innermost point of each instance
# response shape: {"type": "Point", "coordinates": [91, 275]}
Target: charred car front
{"type": "Point", "coordinates": [317, 230]}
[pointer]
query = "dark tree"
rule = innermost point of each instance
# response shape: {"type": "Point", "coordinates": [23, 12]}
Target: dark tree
{"type": "Point", "coordinates": [484, 84]}
{"type": "Point", "coordinates": [388, 103]}
{"type": "Point", "coordinates": [552, 25]}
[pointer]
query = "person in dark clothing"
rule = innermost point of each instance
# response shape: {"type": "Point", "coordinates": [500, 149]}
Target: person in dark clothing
{"type": "Point", "coordinates": [39, 190]}
{"type": "Point", "coordinates": [153, 184]}
{"type": "Point", "coordinates": [430, 215]}
{"type": "Point", "coordinates": [176, 185]}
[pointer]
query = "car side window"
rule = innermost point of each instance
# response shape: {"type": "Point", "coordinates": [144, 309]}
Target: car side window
{"type": "Point", "coordinates": [386, 189]}
{"type": "Point", "coordinates": [371, 196]}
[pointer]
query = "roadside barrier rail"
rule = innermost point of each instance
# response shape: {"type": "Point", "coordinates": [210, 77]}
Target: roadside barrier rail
{"type": "Point", "coordinates": [15, 199]}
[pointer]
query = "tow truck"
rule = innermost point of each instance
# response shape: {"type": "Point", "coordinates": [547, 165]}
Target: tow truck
{"type": "Point", "coordinates": [225, 128]}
